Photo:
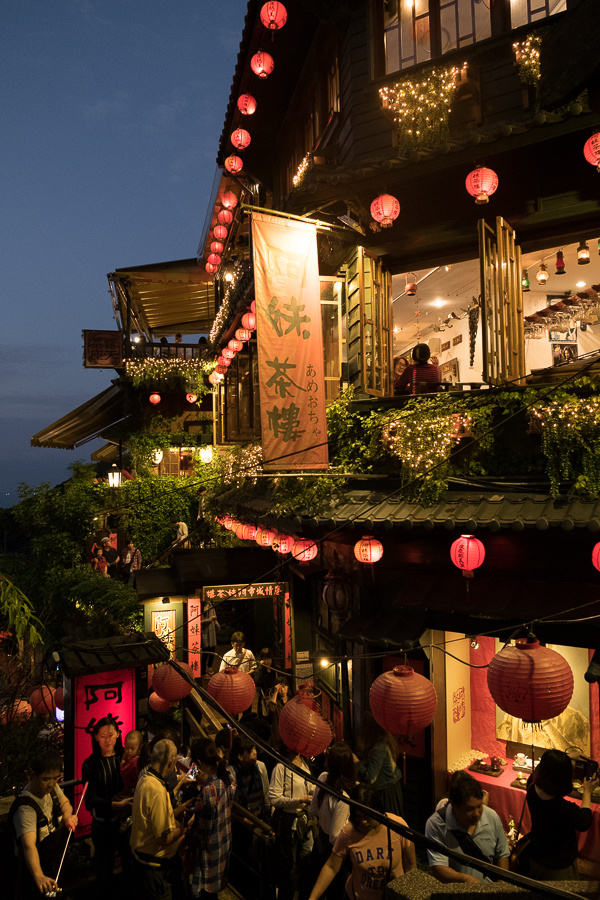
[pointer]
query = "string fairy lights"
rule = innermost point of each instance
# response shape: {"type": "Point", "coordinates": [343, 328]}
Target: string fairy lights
{"type": "Point", "coordinates": [421, 443]}
{"type": "Point", "coordinates": [302, 170]}
{"type": "Point", "coordinates": [421, 107]}
{"type": "Point", "coordinates": [527, 55]}
{"type": "Point", "coordinates": [153, 371]}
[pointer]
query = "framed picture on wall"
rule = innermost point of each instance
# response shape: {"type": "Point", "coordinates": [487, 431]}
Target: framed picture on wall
{"type": "Point", "coordinates": [562, 353]}
{"type": "Point", "coordinates": [566, 337]}
{"type": "Point", "coordinates": [449, 371]}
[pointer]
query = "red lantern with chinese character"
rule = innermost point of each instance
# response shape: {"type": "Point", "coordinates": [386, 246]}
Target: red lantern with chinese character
{"type": "Point", "coordinates": [591, 150]}
{"type": "Point", "coordinates": [235, 345]}
{"type": "Point", "coordinates": [214, 260]}
{"type": "Point", "coordinates": [302, 726]}
{"type": "Point", "coordinates": [249, 532]}
{"type": "Point", "coordinates": [467, 553]}
{"type": "Point", "coordinates": [42, 700]}
{"type": "Point", "coordinates": [59, 698]}
{"type": "Point", "coordinates": [211, 269]}
{"type": "Point", "coordinates": [264, 537]}
{"type": "Point", "coordinates": [234, 164]}
{"type": "Point", "coordinates": [220, 232]}
{"type": "Point", "coordinates": [530, 682]}
{"type": "Point", "coordinates": [154, 399]}
{"type": "Point", "coordinates": [222, 370]}
{"type": "Point", "coordinates": [481, 183]}
{"type": "Point", "coordinates": [596, 557]}
{"type": "Point", "coordinates": [240, 138]}
{"type": "Point", "coordinates": [191, 398]}
{"type": "Point", "coordinates": [225, 217]}
{"type": "Point", "coordinates": [262, 64]}
{"type": "Point", "coordinates": [158, 704]}
{"type": "Point", "coordinates": [229, 200]}
{"type": "Point", "coordinates": [368, 549]}
{"type": "Point", "coordinates": [232, 689]}
{"type": "Point", "coordinates": [304, 550]}
{"type": "Point", "coordinates": [216, 247]}
{"type": "Point", "coordinates": [249, 321]}
{"type": "Point", "coordinates": [283, 544]}
{"type": "Point", "coordinates": [228, 353]}
{"type": "Point", "coordinates": [223, 361]}
{"type": "Point", "coordinates": [273, 15]}
{"type": "Point", "coordinates": [169, 684]}
{"type": "Point", "coordinates": [246, 104]}
{"type": "Point", "coordinates": [215, 378]}
{"type": "Point", "coordinates": [242, 334]}
{"type": "Point", "coordinates": [402, 701]}
{"type": "Point", "coordinates": [385, 209]}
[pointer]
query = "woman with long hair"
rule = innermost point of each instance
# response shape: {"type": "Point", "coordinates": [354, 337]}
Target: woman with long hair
{"type": "Point", "coordinates": [363, 841]}
{"type": "Point", "coordinates": [378, 752]}
{"type": "Point", "coordinates": [332, 813]}
{"type": "Point", "coordinates": [211, 833]}
{"type": "Point", "coordinates": [554, 820]}
{"type": "Point", "coordinates": [102, 771]}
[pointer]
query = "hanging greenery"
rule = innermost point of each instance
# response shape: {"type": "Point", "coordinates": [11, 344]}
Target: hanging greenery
{"type": "Point", "coordinates": [571, 443]}
{"type": "Point", "coordinates": [421, 106]}
{"type": "Point", "coordinates": [191, 374]}
{"type": "Point", "coordinates": [527, 55]}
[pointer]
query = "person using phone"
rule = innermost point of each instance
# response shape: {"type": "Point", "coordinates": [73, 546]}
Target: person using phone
{"type": "Point", "coordinates": [555, 821]}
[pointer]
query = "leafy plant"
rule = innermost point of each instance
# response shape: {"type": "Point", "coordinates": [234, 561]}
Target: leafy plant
{"type": "Point", "coordinates": [18, 611]}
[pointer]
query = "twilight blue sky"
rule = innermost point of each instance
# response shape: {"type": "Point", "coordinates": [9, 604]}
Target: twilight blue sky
{"type": "Point", "coordinates": [112, 110]}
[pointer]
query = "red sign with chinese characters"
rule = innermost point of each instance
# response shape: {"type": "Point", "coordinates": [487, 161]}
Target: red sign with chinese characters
{"type": "Point", "coordinates": [97, 696]}
{"type": "Point", "coordinates": [290, 343]}
{"type": "Point", "coordinates": [194, 635]}
{"type": "Point", "coordinates": [164, 626]}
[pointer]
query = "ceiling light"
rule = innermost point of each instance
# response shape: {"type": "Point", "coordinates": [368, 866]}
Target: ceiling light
{"type": "Point", "coordinates": [581, 284]}
{"type": "Point", "coordinates": [438, 302]}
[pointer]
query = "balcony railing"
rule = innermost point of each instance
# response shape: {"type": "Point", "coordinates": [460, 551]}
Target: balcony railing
{"type": "Point", "coordinates": [147, 350]}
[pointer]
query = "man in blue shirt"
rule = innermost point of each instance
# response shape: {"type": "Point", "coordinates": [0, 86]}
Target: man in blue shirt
{"type": "Point", "coordinates": [464, 820]}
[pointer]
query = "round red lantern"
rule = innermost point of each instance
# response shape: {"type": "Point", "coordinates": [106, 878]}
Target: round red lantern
{"type": "Point", "coordinates": [16, 711]}
{"type": "Point", "coordinates": [191, 398]}
{"type": "Point", "coordinates": [42, 700]}
{"type": "Point", "coordinates": [154, 399]}
{"type": "Point", "coordinates": [591, 150]}
{"type": "Point", "coordinates": [273, 15]}
{"type": "Point", "coordinates": [283, 543]}
{"type": "Point", "coordinates": [227, 522]}
{"type": "Point", "coordinates": [385, 209]}
{"type": "Point", "coordinates": [243, 334]}
{"type": "Point", "coordinates": [233, 690]}
{"type": "Point", "coordinates": [211, 269]}
{"type": "Point", "coordinates": [215, 378]}
{"type": "Point", "coordinates": [225, 217]}
{"type": "Point", "coordinates": [158, 704]}
{"type": "Point", "coordinates": [214, 260]}
{"type": "Point", "coordinates": [216, 247]}
{"type": "Point", "coordinates": [467, 553]}
{"type": "Point", "coordinates": [530, 682]}
{"type": "Point", "coordinates": [304, 550]}
{"type": "Point", "coordinates": [410, 284]}
{"type": "Point", "coordinates": [253, 307]}
{"type": "Point", "coordinates": [249, 532]}
{"type": "Point", "coordinates": [240, 138]}
{"type": "Point", "coordinates": [222, 370]}
{"type": "Point", "coordinates": [169, 684]}
{"type": "Point", "coordinates": [59, 698]}
{"type": "Point", "coordinates": [368, 549]}
{"type": "Point", "coordinates": [229, 200]}
{"type": "Point", "coordinates": [223, 361]}
{"type": "Point", "coordinates": [262, 64]}
{"type": "Point", "coordinates": [246, 104]}
{"type": "Point", "coordinates": [228, 353]}
{"type": "Point", "coordinates": [220, 232]}
{"type": "Point", "coordinates": [234, 164]}
{"type": "Point", "coordinates": [481, 183]}
{"type": "Point", "coordinates": [596, 557]}
{"type": "Point", "coordinates": [264, 537]}
{"type": "Point", "coordinates": [249, 321]}
{"type": "Point", "coordinates": [402, 701]}
{"type": "Point", "coordinates": [235, 345]}
{"type": "Point", "coordinates": [302, 726]}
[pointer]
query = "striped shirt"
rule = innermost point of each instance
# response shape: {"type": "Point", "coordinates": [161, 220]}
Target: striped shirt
{"type": "Point", "coordinates": [423, 378]}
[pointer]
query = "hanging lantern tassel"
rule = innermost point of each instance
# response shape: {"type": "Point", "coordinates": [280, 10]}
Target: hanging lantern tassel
{"type": "Point", "coordinates": [467, 554]}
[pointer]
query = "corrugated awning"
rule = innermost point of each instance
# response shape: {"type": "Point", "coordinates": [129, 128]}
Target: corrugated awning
{"type": "Point", "coordinates": [84, 423]}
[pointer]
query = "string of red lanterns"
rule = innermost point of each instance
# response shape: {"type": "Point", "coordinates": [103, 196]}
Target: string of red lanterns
{"type": "Point", "coordinates": [216, 247]}
{"type": "Point", "coordinates": [262, 64]}
{"type": "Point", "coordinates": [154, 399]}
{"type": "Point", "coordinates": [249, 321]}
{"type": "Point", "coordinates": [234, 164]}
{"type": "Point", "coordinates": [303, 550]}
{"type": "Point", "coordinates": [246, 104]}
{"type": "Point", "coordinates": [591, 150]}
{"type": "Point", "coordinates": [225, 217]}
{"type": "Point", "coordinates": [220, 232]}
{"type": "Point", "coordinates": [240, 139]}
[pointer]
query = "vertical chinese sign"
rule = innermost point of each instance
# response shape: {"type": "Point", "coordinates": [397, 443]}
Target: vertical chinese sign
{"type": "Point", "coordinates": [290, 343]}
{"type": "Point", "coordinates": [164, 626]}
{"type": "Point", "coordinates": [96, 696]}
{"type": "Point", "coordinates": [194, 635]}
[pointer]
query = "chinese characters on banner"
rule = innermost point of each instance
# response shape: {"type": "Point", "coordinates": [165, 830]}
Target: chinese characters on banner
{"type": "Point", "coordinates": [97, 696]}
{"type": "Point", "coordinates": [163, 626]}
{"type": "Point", "coordinates": [194, 635]}
{"type": "Point", "coordinates": [290, 343]}
{"type": "Point", "coordinates": [217, 592]}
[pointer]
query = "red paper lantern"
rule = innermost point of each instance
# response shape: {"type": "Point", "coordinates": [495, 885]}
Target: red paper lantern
{"type": "Point", "coordinates": [467, 553]}
{"type": "Point", "coordinates": [191, 398]}
{"type": "Point", "coordinates": [232, 689]}
{"type": "Point", "coordinates": [229, 200]}
{"type": "Point", "coordinates": [59, 698]}
{"type": "Point", "coordinates": [225, 217]}
{"type": "Point", "coordinates": [211, 269]}
{"type": "Point", "coordinates": [246, 104]}
{"type": "Point", "coordinates": [223, 361]}
{"type": "Point", "coordinates": [262, 64]}
{"type": "Point", "coordinates": [591, 150]}
{"type": "Point", "coordinates": [481, 183]}
{"type": "Point", "coordinates": [249, 532]}
{"type": "Point", "coordinates": [150, 676]}
{"type": "Point", "coordinates": [530, 682]}
{"type": "Point", "coordinates": [265, 537]}
{"type": "Point", "coordinates": [214, 260]}
{"type": "Point", "coordinates": [154, 399]}
{"type": "Point", "coordinates": [302, 726]}
{"type": "Point", "coordinates": [158, 704]}
{"type": "Point", "coordinates": [303, 550]}
{"type": "Point", "coordinates": [42, 700]}
{"type": "Point", "coordinates": [215, 378]}
{"type": "Point", "coordinates": [233, 164]}
{"type": "Point", "coordinates": [220, 232]}
{"type": "Point", "coordinates": [596, 557]}
{"type": "Point", "coordinates": [240, 138]}
{"type": "Point", "coordinates": [169, 684]}
{"type": "Point", "coordinates": [228, 353]}
{"type": "Point", "coordinates": [283, 543]}
{"type": "Point", "coordinates": [222, 370]}
{"type": "Point", "coordinates": [368, 549]}
{"type": "Point", "coordinates": [273, 15]}
{"type": "Point", "coordinates": [385, 209]}
{"type": "Point", "coordinates": [16, 711]}
{"type": "Point", "coordinates": [216, 247]}
{"type": "Point", "coordinates": [243, 334]}
{"type": "Point", "coordinates": [402, 701]}
{"type": "Point", "coordinates": [235, 345]}
{"type": "Point", "coordinates": [227, 522]}
{"type": "Point", "coordinates": [249, 321]}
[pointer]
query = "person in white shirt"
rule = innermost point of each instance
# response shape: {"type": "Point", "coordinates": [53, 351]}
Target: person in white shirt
{"type": "Point", "coordinates": [291, 795]}
{"type": "Point", "coordinates": [239, 655]}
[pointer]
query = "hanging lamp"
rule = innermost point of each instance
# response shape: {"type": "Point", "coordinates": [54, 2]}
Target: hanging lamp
{"type": "Point", "coordinates": [542, 276]}
{"type": "Point", "coordinates": [232, 689]}
{"type": "Point", "coordinates": [583, 254]}
{"type": "Point", "coordinates": [560, 263]}
{"type": "Point", "coordinates": [481, 183]}
{"type": "Point", "coordinates": [273, 15]}
{"type": "Point", "coordinates": [385, 209]}
{"type": "Point", "coordinates": [262, 64]}
{"type": "Point", "coordinates": [246, 104]}
{"type": "Point", "coordinates": [302, 726]}
{"type": "Point", "coordinates": [402, 701]}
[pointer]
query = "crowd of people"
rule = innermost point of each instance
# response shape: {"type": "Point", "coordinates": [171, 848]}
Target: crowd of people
{"type": "Point", "coordinates": [108, 562]}
{"type": "Point", "coordinates": [165, 810]}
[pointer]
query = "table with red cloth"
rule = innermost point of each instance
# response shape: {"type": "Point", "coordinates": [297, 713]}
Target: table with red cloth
{"type": "Point", "coordinates": [508, 801]}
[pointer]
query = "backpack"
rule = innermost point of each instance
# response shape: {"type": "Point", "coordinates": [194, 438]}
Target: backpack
{"type": "Point", "coordinates": [465, 841]}
{"type": "Point", "coordinates": [49, 850]}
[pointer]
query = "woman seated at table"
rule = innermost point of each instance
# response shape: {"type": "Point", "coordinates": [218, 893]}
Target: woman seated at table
{"type": "Point", "coordinates": [556, 821]}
